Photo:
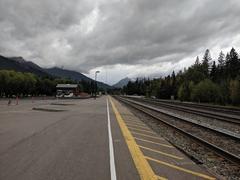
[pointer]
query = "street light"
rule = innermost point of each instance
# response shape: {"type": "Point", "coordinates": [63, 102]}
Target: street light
{"type": "Point", "coordinates": [96, 72]}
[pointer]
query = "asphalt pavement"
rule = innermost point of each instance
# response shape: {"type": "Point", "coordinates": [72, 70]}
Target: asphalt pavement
{"type": "Point", "coordinates": [61, 139]}
{"type": "Point", "coordinates": [85, 139]}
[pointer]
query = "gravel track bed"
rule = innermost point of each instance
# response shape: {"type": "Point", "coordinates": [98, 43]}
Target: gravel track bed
{"type": "Point", "coordinates": [220, 167]}
{"type": "Point", "coordinates": [235, 111]}
{"type": "Point", "coordinates": [215, 138]}
{"type": "Point", "coordinates": [213, 122]}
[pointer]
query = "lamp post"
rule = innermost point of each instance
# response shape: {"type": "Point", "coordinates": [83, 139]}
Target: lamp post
{"type": "Point", "coordinates": [96, 72]}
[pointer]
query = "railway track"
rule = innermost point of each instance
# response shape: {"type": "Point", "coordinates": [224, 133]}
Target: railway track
{"type": "Point", "coordinates": [223, 143]}
{"type": "Point", "coordinates": [215, 108]}
{"type": "Point", "coordinates": [221, 116]}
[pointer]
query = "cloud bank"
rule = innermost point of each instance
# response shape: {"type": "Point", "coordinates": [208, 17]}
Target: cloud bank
{"type": "Point", "coordinates": [119, 37]}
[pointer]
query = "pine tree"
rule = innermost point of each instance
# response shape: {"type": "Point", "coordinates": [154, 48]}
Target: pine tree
{"type": "Point", "coordinates": [220, 71]}
{"type": "Point", "coordinates": [173, 85]}
{"type": "Point", "coordinates": [232, 64]}
{"type": "Point", "coordinates": [213, 73]}
{"type": "Point", "coordinates": [205, 63]}
{"type": "Point", "coordinates": [197, 62]}
{"type": "Point", "coordinates": [221, 60]}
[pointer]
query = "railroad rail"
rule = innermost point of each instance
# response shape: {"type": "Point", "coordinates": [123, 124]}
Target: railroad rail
{"type": "Point", "coordinates": [235, 119]}
{"type": "Point", "coordinates": [152, 112]}
{"type": "Point", "coordinates": [215, 108]}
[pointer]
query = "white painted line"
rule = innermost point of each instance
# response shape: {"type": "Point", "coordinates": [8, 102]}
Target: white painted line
{"type": "Point", "coordinates": [111, 151]}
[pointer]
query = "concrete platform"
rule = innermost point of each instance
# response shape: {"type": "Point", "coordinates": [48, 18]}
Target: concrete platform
{"type": "Point", "coordinates": [84, 141]}
{"type": "Point", "coordinates": [70, 145]}
{"type": "Point", "coordinates": [165, 160]}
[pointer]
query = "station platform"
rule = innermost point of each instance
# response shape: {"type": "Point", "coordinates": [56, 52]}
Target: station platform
{"type": "Point", "coordinates": [85, 139]}
{"type": "Point", "coordinates": [153, 155]}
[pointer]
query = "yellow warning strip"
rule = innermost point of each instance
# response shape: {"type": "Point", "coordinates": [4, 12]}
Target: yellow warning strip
{"type": "Point", "coordinates": [144, 169]}
{"type": "Point", "coordinates": [180, 168]}
{"type": "Point", "coordinates": [152, 142]}
{"type": "Point", "coordinates": [142, 130]}
{"type": "Point", "coordinates": [160, 152]}
{"type": "Point", "coordinates": [135, 122]}
{"type": "Point", "coordinates": [160, 178]}
{"type": "Point", "coordinates": [137, 126]}
{"type": "Point", "coordinates": [154, 137]}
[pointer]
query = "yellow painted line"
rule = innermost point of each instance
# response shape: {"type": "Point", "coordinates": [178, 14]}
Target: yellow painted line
{"type": "Point", "coordinates": [160, 152]}
{"type": "Point", "coordinates": [161, 178]}
{"type": "Point", "coordinates": [180, 168]}
{"type": "Point", "coordinates": [161, 144]}
{"type": "Point", "coordinates": [135, 122]}
{"type": "Point", "coordinates": [136, 129]}
{"type": "Point", "coordinates": [144, 169]}
{"type": "Point", "coordinates": [154, 137]}
{"type": "Point", "coordinates": [136, 126]}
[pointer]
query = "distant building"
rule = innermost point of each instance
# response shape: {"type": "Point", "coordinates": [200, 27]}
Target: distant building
{"type": "Point", "coordinates": [67, 90]}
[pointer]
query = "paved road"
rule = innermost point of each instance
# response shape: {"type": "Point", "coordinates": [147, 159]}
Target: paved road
{"type": "Point", "coordinates": [69, 144]}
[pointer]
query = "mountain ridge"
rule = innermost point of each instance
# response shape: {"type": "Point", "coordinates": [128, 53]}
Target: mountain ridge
{"type": "Point", "coordinates": [21, 65]}
{"type": "Point", "coordinates": [122, 82]}
{"type": "Point", "coordinates": [74, 75]}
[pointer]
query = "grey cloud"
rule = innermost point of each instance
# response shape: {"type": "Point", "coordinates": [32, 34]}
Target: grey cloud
{"type": "Point", "coordinates": [52, 32]}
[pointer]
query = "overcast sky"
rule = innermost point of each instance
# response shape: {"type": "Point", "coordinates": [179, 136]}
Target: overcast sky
{"type": "Point", "coordinates": [118, 37]}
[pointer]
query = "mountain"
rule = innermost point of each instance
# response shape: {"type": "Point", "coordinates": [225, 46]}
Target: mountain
{"type": "Point", "coordinates": [63, 73]}
{"type": "Point", "coordinates": [19, 64]}
{"type": "Point", "coordinates": [122, 83]}
{"type": "Point", "coordinates": [73, 75]}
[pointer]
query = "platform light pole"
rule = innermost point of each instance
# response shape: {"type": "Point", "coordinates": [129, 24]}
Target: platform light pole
{"type": "Point", "coordinates": [96, 72]}
{"type": "Point", "coordinates": [106, 80]}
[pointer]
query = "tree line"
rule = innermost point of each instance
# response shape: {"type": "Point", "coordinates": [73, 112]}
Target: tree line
{"type": "Point", "coordinates": [207, 80]}
{"type": "Point", "coordinates": [25, 84]}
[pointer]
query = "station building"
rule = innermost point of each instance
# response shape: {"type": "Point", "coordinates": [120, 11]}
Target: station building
{"type": "Point", "coordinates": [64, 90]}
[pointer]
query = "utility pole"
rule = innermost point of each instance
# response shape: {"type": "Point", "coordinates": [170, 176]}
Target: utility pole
{"type": "Point", "coordinates": [96, 72]}
{"type": "Point", "coordinates": [106, 82]}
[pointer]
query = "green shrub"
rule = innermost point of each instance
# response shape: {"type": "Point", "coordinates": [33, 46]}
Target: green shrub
{"type": "Point", "coordinates": [184, 91]}
{"type": "Point", "coordinates": [206, 91]}
{"type": "Point", "coordinates": [234, 91]}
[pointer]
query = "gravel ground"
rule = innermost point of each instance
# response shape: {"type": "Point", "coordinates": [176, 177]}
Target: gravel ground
{"type": "Point", "coordinates": [213, 122]}
{"type": "Point", "coordinates": [203, 156]}
{"type": "Point", "coordinates": [218, 139]}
